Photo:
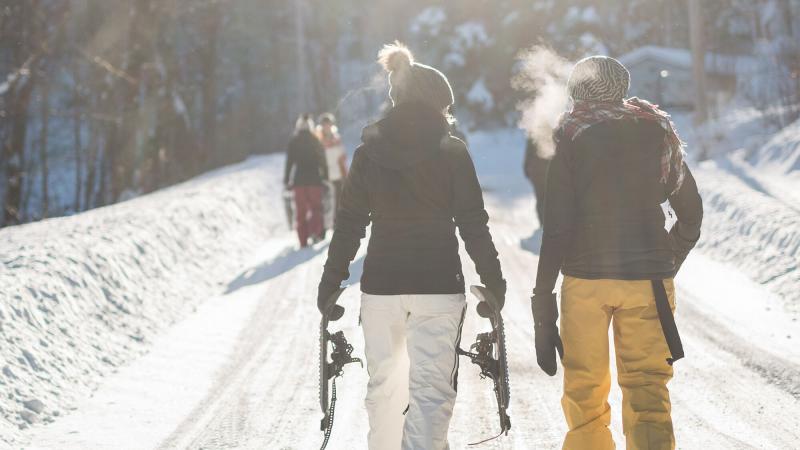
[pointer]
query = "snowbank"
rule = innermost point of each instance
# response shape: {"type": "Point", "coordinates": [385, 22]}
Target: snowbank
{"type": "Point", "coordinates": [82, 295]}
{"type": "Point", "coordinates": [750, 230]}
{"type": "Point", "coordinates": [781, 154]}
{"type": "Point", "coordinates": [751, 196]}
{"type": "Point", "coordinates": [743, 129]}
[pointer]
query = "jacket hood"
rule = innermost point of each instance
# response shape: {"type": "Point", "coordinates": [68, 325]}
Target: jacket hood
{"type": "Point", "coordinates": [409, 134]}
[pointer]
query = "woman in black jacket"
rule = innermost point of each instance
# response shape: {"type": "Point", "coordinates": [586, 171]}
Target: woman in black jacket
{"type": "Point", "coordinates": [415, 184]}
{"type": "Point", "coordinates": [305, 171]}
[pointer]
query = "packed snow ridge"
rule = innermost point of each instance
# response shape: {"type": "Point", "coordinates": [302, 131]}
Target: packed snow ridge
{"type": "Point", "coordinates": [82, 295]}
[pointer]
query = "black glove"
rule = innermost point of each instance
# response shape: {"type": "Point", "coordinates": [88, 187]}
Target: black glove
{"type": "Point", "coordinates": [324, 303]}
{"type": "Point", "coordinates": [499, 291]}
{"type": "Point", "coordinates": [545, 330]}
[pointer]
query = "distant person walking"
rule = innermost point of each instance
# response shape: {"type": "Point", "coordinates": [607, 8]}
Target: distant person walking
{"type": "Point", "coordinates": [335, 155]}
{"type": "Point", "coordinates": [535, 169]}
{"type": "Point", "coordinates": [304, 174]}
{"type": "Point", "coordinates": [616, 162]}
{"type": "Point", "coordinates": [416, 184]}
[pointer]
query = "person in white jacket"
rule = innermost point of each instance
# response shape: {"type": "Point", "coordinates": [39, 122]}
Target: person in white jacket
{"type": "Point", "coordinates": [336, 157]}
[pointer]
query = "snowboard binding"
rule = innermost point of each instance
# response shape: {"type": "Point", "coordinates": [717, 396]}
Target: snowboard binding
{"type": "Point", "coordinates": [489, 354]}
{"type": "Point", "coordinates": [340, 355]}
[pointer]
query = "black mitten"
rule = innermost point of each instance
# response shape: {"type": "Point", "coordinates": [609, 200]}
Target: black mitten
{"type": "Point", "coordinates": [545, 330]}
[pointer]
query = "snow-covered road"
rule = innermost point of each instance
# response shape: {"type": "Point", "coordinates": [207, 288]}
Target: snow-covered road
{"type": "Point", "coordinates": [242, 371]}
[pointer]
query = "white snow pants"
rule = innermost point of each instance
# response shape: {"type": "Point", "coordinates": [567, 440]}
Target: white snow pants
{"type": "Point", "coordinates": [410, 346]}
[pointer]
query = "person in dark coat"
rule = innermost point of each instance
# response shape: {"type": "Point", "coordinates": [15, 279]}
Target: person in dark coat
{"type": "Point", "coordinates": [617, 161]}
{"type": "Point", "coordinates": [305, 171]}
{"type": "Point", "coordinates": [535, 169]}
{"type": "Point", "coordinates": [416, 184]}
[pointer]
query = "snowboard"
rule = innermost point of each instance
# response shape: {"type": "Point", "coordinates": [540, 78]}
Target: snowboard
{"type": "Point", "coordinates": [489, 353]}
{"type": "Point", "coordinates": [334, 353]}
{"type": "Point", "coordinates": [288, 207]}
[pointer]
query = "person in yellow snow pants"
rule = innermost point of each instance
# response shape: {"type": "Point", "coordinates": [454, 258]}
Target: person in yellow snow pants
{"type": "Point", "coordinates": [617, 161]}
{"type": "Point", "coordinates": [588, 308]}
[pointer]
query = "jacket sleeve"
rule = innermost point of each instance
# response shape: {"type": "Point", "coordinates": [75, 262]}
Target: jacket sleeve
{"type": "Point", "coordinates": [688, 207]}
{"type": "Point", "coordinates": [559, 221]}
{"type": "Point", "coordinates": [352, 218]}
{"type": "Point", "coordinates": [472, 219]}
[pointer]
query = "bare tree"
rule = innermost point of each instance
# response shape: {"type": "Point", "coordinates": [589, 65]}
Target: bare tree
{"type": "Point", "coordinates": [23, 35]}
{"type": "Point", "coordinates": [301, 61]}
{"type": "Point", "coordinates": [697, 38]}
{"type": "Point", "coordinates": [43, 131]}
{"type": "Point", "coordinates": [210, 25]}
{"type": "Point", "coordinates": [77, 128]}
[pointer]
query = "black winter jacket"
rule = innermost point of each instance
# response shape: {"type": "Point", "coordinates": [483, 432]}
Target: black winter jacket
{"type": "Point", "coordinates": [416, 184]}
{"type": "Point", "coordinates": [603, 217]}
{"type": "Point", "coordinates": [307, 157]}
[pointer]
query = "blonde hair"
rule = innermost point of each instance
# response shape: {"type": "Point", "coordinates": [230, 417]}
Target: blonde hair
{"type": "Point", "coordinates": [303, 123]}
{"type": "Point", "coordinates": [395, 57]}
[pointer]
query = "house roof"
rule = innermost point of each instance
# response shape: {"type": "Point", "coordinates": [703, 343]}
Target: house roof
{"type": "Point", "coordinates": [681, 57]}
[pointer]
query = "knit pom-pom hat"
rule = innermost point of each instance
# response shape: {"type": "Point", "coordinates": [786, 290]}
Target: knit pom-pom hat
{"type": "Point", "coordinates": [599, 78]}
{"type": "Point", "coordinates": [410, 81]}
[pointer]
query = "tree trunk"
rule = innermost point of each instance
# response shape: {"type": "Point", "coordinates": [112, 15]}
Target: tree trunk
{"type": "Point", "coordinates": [666, 10]}
{"type": "Point", "coordinates": [786, 9]}
{"type": "Point", "coordinates": [43, 130]}
{"type": "Point", "coordinates": [15, 155]}
{"type": "Point", "coordinates": [91, 167]}
{"type": "Point", "coordinates": [697, 37]}
{"type": "Point", "coordinates": [76, 132]}
{"type": "Point", "coordinates": [300, 57]}
{"type": "Point", "coordinates": [212, 22]}
{"type": "Point", "coordinates": [122, 145]}
{"type": "Point", "coordinates": [22, 28]}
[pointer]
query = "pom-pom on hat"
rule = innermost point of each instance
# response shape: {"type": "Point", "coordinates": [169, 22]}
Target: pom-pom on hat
{"type": "Point", "coordinates": [410, 81]}
{"type": "Point", "coordinates": [599, 78]}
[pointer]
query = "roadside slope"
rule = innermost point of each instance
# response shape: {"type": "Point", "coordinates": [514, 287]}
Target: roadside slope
{"type": "Point", "coordinates": [86, 294]}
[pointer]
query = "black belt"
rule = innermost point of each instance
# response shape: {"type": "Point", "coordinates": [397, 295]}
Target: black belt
{"type": "Point", "coordinates": [667, 322]}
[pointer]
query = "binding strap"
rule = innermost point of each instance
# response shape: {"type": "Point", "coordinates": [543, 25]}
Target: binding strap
{"type": "Point", "coordinates": [667, 322]}
{"type": "Point", "coordinates": [331, 411]}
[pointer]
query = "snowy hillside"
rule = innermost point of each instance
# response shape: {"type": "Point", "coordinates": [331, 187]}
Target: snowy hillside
{"type": "Point", "coordinates": [751, 230]}
{"type": "Point", "coordinates": [751, 195]}
{"type": "Point", "coordinates": [83, 295]}
{"type": "Point", "coordinates": [781, 154]}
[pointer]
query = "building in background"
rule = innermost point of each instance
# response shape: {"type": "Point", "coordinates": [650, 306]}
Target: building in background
{"type": "Point", "coordinates": [664, 75]}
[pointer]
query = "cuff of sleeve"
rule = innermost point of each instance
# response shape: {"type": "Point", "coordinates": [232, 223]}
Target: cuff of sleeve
{"type": "Point", "coordinates": [544, 308]}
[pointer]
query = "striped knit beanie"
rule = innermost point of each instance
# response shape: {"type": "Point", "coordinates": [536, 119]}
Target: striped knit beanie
{"type": "Point", "coordinates": [599, 79]}
{"type": "Point", "coordinates": [414, 82]}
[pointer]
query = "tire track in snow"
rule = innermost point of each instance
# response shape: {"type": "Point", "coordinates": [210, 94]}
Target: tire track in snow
{"type": "Point", "coordinates": [210, 424]}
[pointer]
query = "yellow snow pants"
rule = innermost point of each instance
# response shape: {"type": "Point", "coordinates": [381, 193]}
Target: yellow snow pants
{"type": "Point", "coordinates": [588, 307]}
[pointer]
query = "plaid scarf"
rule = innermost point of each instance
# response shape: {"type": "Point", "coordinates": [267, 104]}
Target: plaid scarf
{"type": "Point", "coordinates": [586, 113]}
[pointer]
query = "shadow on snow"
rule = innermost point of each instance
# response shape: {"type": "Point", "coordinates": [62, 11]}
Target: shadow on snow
{"type": "Point", "coordinates": [284, 262]}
